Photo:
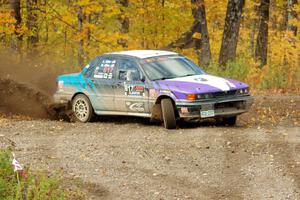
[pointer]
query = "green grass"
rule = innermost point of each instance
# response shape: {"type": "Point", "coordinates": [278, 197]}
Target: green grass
{"type": "Point", "coordinates": [37, 186]}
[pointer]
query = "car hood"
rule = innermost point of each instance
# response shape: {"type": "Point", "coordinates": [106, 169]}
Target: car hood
{"type": "Point", "coordinates": [199, 84]}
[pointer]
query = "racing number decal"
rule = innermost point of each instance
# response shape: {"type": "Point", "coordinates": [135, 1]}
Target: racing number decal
{"type": "Point", "coordinates": [105, 70]}
{"type": "Point", "coordinates": [134, 90]}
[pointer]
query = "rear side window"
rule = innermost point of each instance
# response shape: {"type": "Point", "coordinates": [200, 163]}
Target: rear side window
{"type": "Point", "coordinates": [104, 69]}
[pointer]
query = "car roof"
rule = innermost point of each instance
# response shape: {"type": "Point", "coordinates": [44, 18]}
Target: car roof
{"type": "Point", "coordinates": [144, 53]}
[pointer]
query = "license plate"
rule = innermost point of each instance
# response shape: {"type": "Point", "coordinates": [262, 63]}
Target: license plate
{"type": "Point", "coordinates": [207, 113]}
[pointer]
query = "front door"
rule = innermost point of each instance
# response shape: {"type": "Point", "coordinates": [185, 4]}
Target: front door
{"type": "Point", "coordinates": [102, 80]}
{"type": "Point", "coordinates": [130, 90]}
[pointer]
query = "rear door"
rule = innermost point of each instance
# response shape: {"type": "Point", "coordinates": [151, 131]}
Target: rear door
{"type": "Point", "coordinates": [130, 90]}
{"type": "Point", "coordinates": [102, 82]}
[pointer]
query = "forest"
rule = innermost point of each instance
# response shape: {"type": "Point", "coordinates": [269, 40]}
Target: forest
{"type": "Point", "coordinates": [256, 41]}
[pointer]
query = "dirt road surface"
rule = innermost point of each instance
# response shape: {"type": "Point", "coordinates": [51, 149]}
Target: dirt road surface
{"type": "Point", "coordinates": [129, 158]}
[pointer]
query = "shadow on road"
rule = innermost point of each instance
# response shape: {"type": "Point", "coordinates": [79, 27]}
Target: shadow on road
{"type": "Point", "coordinates": [146, 122]}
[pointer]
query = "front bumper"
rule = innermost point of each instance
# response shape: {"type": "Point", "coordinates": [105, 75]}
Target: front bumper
{"type": "Point", "coordinates": [221, 107]}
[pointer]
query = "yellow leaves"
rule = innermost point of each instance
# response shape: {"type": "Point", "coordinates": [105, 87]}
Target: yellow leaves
{"type": "Point", "coordinates": [93, 8]}
{"type": "Point", "coordinates": [90, 6]}
{"type": "Point", "coordinates": [6, 17]}
{"type": "Point", "coordinates": [254, 76]}
{"type": "Point", "coordinates": [68, 18]}
{"type": "Point", "coordinates": [83, 3]}
{"type": "Point", "coordinates": [141, 11]}
{"type": "Point", "coordinates": [197, 35]}
{"type": "Point", "coordinates": [111, 13]}
{"type": "Point", "coordinates": [7, 22]}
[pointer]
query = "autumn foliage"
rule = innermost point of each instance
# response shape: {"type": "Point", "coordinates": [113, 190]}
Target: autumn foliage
{"type": "Point", "coordinates": [73, 32]}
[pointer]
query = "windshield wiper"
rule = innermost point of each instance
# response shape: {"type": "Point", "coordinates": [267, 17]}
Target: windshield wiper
{"type": "Point", "coordinates": [163, 78]}
{"type": "Point", "coordinates": [187, 75]}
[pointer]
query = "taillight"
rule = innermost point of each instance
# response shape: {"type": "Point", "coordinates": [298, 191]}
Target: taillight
{"type": "Point", "coordinates": [60, 85]}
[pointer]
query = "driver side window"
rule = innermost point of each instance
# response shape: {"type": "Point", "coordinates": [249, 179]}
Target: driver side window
{"type": "Point", "coordinates": [128, 70]}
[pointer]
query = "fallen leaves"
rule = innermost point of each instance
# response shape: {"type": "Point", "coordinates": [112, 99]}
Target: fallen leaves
{"type": "Point", "coordinates": [273, 110]}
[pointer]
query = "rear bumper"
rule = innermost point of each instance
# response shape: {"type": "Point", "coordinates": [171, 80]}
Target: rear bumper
{"type": "Point", "coordinates": [60, 98]}
{"type": "Point", "coordinates": [221, 107]}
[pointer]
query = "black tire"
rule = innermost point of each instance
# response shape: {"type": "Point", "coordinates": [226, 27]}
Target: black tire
{"type": "Point", "coordinates": [168, 113]}
{"type": "Point", "coordinates": [230, 121]}
{"type": "Point", "coordinates": [82, 108]}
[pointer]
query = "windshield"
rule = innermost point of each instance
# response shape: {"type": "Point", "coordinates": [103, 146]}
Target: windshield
{"type": "Point", "coordinates": [167, 67]}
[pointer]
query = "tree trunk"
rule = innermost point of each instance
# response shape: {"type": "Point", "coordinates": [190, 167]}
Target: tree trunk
{"type": "Point", "coordinates": [197, 36]}
{"type": "Point", "coordinates": [124, 20]}
{"type": "Point", "coordinates": [163, 21]}
{"type": "Point", "coordinates": [16, 13]}
{"type": "Point", "coordinates": [202, 45]}
{"type": "Point", "coordinates": [253, 29]}
{"type": "Point", "coordinates": [261, 50]}
{"type": "Point", "coordinates": [292, 14]}
{"type": "Point", "coordinates": [231, 31]}
{"type": "Point", "coordinates": [32, 23]}
{"type": "Point", "coordinates": [80, 55]}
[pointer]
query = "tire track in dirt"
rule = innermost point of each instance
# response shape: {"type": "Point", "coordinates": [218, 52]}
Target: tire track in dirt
{"type": "Point", "coordinates": [236, 157]}
{"type": "Point", "coordinates": [265, 172]}
{"type": "Point", "coordinates": [286, 149]}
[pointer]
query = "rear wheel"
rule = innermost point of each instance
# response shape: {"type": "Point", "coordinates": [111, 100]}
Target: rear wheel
{"type": "Point", "coordinates": [168, 114]}
{"type": "Point", "coordinates": [230, 121]}
{"type": "Point", "coordinates": [82, 108]}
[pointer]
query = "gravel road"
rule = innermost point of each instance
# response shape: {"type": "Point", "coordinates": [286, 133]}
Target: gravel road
{"type": "Point", "coordinates": [129, 158]}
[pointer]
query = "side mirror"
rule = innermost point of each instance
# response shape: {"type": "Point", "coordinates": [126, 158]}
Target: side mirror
{"type": "Point", "coordinates": [143, 78]}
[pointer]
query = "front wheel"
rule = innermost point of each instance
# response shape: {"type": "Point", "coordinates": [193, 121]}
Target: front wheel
{"type": "Point", "coordinates": [82, 108]}
{"type": "Point", "coordinates": [168, 114]}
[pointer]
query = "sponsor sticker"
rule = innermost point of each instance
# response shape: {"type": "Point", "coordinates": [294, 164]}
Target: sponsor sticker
{"type": "Point", "coordinates": [165, 91]}
{"type": "Point", "coordinates": [135, 106]}
{"type": "Point", "coordinates": [134, 90]}
{"type": "Point", "coordinates": [201, 79]}
{"type": "Point", "coordinates": [99, 75]}
{"type": "Point", "coordinates": [152, 93]}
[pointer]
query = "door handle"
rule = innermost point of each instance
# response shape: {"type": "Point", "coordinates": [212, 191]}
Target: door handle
{"type": "Point", "coordinates": [119, 84]}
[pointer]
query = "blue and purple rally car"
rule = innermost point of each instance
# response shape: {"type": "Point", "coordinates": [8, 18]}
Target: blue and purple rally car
{"type": "Point", "coordinates": [159, 85]}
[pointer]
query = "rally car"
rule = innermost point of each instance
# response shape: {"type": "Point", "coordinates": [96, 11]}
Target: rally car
{"type": "Point", "coordinates": [160, 85]}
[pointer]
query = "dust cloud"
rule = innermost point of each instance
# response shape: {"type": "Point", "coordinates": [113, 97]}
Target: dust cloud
{"type": "Point", "coordinates": [27, 85]}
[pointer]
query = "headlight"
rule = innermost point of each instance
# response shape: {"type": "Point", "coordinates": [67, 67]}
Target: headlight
{"type": "Point", "coordinates": [243, 91]}
{"type": "Point", "coordinates": [205, 96]}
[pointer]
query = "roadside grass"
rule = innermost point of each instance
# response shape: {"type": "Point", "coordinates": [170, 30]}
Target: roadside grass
{"type": "Point", "coordinates": [33, 185]}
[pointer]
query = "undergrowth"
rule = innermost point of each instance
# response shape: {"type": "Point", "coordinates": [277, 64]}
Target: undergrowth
{"type": "Point", "coordinates": [270, 76]}
{"type": "Point", "coordinates": [31, 185]}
